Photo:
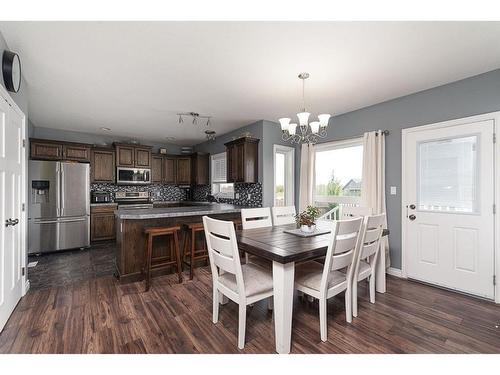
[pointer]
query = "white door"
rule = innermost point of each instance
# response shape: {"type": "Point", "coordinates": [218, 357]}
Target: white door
{"type": "Point", "coordinates": [449, 182]}
{"type": "Point", "coordinates": [11, 220]}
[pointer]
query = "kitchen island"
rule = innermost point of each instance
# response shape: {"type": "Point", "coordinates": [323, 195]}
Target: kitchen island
{"type": "Point", "coordinates": [131, 240]}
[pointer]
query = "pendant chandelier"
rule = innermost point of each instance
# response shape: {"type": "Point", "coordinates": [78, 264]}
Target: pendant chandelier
{"type": "Point", "coordinates": [305, 131]}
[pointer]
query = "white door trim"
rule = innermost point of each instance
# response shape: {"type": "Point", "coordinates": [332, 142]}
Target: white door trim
{"type": "Point", "coordinates": [289, 174]}
{"type": "Point", "coordinates": [4, 95]}
{"type": "Point", "coordinates": [495, 116]}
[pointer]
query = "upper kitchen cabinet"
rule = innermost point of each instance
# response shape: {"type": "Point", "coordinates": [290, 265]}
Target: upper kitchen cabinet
{"type": "Point", "coordinates": [44, 149]}
{"type": "Point", "coordinates": [200, 168]}
{"type": "Point", "coordinates": [169, 169]}
{"type": "Point", "coordinates": [102, 164]}
{"type": "Point", "coordinates": [156, 169]}
{"type": "Point", "coordinates": [183, 173]}
{"type": "Point", "coordinates": [242, 157]}
{"type": "Point", "coordinates": [132, 156]}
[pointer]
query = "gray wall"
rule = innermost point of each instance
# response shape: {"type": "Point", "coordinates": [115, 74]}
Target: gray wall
{"type": "Point", "coordinates": [98, 139]}
{"type": "Point", "coordinates": [468, 97]}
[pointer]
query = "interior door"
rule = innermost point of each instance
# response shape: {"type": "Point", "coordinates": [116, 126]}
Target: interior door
{"type": "Point", "coordinates": [449, 179]}
{"type": "Point", "coordinates": [11, 220]}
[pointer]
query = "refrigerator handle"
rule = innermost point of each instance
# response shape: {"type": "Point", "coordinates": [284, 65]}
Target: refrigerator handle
{"type": "Point", "coordinates": [62, 189]}
{"type": "Point", "coordinates": [58, 189]}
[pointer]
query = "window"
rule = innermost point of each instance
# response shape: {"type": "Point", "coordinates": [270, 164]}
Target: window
{"type": "Point", "coordinates": [220, 187]}
{"type": "Point", "coordinates": [338, 174]}
{"type": "Point", "coordinates": [448, 175]}
{"type": "Point", "coordinates": [284, 173]}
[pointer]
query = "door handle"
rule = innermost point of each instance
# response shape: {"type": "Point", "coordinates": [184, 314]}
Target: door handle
{"type": "Point", "coordinates": [412, 217]}
{"type": "Point", "coordinates": [412, 206]}
{"type": "Point", "coordinates": [11, 222]}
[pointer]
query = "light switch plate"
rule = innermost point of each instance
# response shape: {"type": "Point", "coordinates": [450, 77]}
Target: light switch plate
{"type": "Point", "coordinates": [393, 190]}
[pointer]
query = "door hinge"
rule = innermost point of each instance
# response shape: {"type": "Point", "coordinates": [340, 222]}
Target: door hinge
{"type": "Point", "coordinates": [24, 143]}
{"type": "Point", "coordinates": [23, 207]}
{"type": "Point", "coordinates": [494, 208]}
{"type": "Point", "coordinates": [494, 137]}
{"type": "Point", "coordinates": [494, 280]}
{"type": "Point", "coordinates": [23, 271]}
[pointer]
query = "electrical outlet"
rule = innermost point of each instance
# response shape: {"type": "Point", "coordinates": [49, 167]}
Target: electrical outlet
{"type": "Point", "coordinates": [393, 190]}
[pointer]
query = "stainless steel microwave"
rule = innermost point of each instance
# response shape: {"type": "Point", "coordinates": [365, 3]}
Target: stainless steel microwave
{"type": "Point", "coordinates": [133, 176]}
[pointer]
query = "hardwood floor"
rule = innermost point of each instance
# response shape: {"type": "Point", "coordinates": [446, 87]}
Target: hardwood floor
{"type": "Point", "coordinates": [102, 316]}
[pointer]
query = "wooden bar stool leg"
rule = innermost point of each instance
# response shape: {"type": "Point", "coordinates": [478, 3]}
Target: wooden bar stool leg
{"type": "Point", "coordinates": [193, 246]}
{"type": "Point", "coordinates": [185, 247]}
{"type": "Point", "coordinates": [178, 256]}
{"type": "Point", "coordinates": [149, 245]}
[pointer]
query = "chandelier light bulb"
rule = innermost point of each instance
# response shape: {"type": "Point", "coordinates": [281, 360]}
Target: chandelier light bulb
{"type": "Point", "coordinates": [284, 122]}
{"type": "Point", "coordinates": [303, 118]}
{"type": "Point", "coordinates": [314, 127]}
{"type": "Point", "coordinates": [323, 120]}
{"type": "Point", "coordinates": [292, 128]}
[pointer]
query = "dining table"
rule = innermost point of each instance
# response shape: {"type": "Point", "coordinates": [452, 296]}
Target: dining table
{"type": "Point", "coordinates": [284, 250]}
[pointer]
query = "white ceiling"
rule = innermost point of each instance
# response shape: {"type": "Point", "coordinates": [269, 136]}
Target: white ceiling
{"type": "Point", "coordinates": [133, 77]}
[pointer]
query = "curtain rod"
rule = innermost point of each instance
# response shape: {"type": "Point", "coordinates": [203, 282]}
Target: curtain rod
{"type": "Point", "coordinates": [385, 132]}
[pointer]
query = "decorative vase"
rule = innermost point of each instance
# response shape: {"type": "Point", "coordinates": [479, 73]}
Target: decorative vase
{"type": "Point", "coordinates": [308, 228]}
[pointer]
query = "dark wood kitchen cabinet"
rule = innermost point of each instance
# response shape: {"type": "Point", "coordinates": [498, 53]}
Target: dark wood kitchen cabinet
{"type": "Point", "coordinates": [183, 171]}
{"type": "Point", "coordinates": [200, 169]}
{"type": "Point", "coordinates": [169, 169]}
{"type": "Point", "coordinates": [46, 149]}
{"type": "Point", "coordinates": [102, 222]}
{"type": "Point", "coordinates": [102, 164]}
{"type": "Point", "coordinates": [132, 156]}
{"type": "Point", "coordinates": [242, 157]}
{"type": "Point", "coordinates": [157, 169]}
{"type": "Point", "coordinates": [143, 157]}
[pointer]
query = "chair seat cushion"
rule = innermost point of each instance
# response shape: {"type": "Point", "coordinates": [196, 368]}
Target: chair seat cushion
{"type": "Point", "coordinates": [309, 275]}
{"type": "Point", "coordinates": [257, 280]}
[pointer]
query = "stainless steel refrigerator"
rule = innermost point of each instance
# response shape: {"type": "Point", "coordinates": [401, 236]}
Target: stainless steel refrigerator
{"type": "Point", "coordinates": [59, 206]}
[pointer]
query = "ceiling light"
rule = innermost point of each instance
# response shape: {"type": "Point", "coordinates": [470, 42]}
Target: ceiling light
{"type": "Point", "coordinates": [306, 132]}
{"type": "Point", "coordinates": [103, 128]}
{"type": "Point", "coordinates": [210, 135]}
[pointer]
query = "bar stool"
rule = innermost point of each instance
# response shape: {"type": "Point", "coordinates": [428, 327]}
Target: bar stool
{"type": "Point", "coordinates": [190, 249]}
{"type": "Point", "coordinates": [151, 233]}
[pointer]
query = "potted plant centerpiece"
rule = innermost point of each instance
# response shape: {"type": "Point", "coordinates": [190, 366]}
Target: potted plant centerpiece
{"type": "Point", "coordinates": [306, 220]}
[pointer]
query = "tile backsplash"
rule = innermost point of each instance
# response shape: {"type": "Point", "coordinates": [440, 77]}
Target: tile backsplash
{"type": "Point", "coordinates": [173, 193]}
{"type": "Point", "coordinates": [242, 191]}
{"type": "Point", "coordinates": [157, 191]}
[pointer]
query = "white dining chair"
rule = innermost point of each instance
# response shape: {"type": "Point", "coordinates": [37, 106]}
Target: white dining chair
{"type": "Point", "coordinates": [348, 212]}
{"type": "Point", "coordinates": [326, 281]}
{"type": "Point", "coordinates": [283, 215]}
{"type": "Point", "coordinates": [252, 218]}
{"type": "Point", "coordinates": [244, 284]}
{"type": "Point", "coordinates": [366, 257]}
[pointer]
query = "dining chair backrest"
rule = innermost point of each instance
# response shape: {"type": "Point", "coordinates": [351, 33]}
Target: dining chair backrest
{"type": "Point", "coordinates": [223, 249]}
{"type": "Point", "coordinates": [256, 218]}
{"type": "Point", "coordinates": [283, 215]}
{"type": "Point", "coordinates": [372, 233]}
{"type": "Point", "coordinates": [348, 212]}
{"type": "Point", "coordinates": [342, 247]}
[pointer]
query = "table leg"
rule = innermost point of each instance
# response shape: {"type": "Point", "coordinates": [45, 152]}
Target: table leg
{"type": "Point", "coordinates": [283, 283]}
{"type": "Point", "coordinates": [380, 270]}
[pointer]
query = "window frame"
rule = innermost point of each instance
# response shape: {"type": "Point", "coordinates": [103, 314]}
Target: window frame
{"type": "Point", "coordinates": [289, 183]}
{"type": "Point", "coordinates": [335, 145]}
{"type": "Point", "coordinates": [217, 183]}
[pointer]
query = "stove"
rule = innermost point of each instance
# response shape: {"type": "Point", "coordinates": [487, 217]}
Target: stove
{"type": "Point", "coordinates": [133, 200]}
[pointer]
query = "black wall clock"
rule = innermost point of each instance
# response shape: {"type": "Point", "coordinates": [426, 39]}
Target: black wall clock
{"type": "Point", "coordinates": [11, 69]}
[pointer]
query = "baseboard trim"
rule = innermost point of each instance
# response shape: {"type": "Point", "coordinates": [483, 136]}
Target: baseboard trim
{"type": "Point", "coordinates": [26, 286]}
{"type": "Point", "coordinates": [395, 272]}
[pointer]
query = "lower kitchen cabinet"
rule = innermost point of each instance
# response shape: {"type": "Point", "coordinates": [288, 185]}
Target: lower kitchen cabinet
{"type": "Point", "coordinates": [102, 222]}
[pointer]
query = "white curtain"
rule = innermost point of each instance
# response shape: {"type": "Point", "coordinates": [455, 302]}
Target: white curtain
{"type": "Point", "coordinates": [373, 183]}
{"type": "Point", "coordinates": [306, 191]}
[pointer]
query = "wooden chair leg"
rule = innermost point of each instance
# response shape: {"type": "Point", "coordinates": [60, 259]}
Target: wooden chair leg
{"type": "Point", "coordinates": [323, 322]}
{"type": "Point", "coordinates": [178, 256]}
{"type": "Point", "coordinates": [149, 245]}
{"type": "Point", "coordinates": [242, 323]}
{"type": "Point", "coordinates": [372, 288]}
{"type": "Point", "coordinates": [348, 305]}
{"type": "Point", "coordinates": [193, 246]}
{"type": "Point", "coordinates": [215, 312]}
{"type": "Point", "coordinates": [355, 298]}
{"type": "Point", "coordinates": [185, 246]}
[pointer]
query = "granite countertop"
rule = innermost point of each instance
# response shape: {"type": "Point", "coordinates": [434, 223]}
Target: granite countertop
{"type": "Point", "coordinates": [103, 204]}
{"type": "Point", "coordinates": [163, 212]}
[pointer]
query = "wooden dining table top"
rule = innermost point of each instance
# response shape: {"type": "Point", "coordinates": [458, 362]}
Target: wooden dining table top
{"type": "Point", "coordinates": [274, 244]}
